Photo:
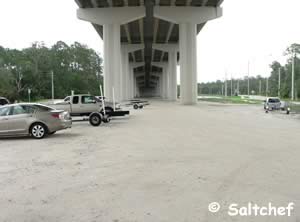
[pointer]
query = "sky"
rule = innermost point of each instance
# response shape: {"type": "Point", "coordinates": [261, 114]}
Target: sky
{"type": "Point", "coordinates": [251, 31]}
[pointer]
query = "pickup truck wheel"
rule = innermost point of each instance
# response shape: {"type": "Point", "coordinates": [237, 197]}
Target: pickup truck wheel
{"type": "Point", "coordinates": [95, 119]}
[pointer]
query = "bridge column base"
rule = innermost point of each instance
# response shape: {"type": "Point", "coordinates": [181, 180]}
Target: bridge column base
{"type": "Point", "coordinates": [172, 75]}
{"type": "Point", "coordinates": [112, 61]}
{"type": "Point", "coordinates": [188, 63]}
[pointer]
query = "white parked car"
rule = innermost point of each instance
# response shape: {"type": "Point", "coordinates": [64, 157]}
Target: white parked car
{"type": "Point", "coordinates": [274, 103]}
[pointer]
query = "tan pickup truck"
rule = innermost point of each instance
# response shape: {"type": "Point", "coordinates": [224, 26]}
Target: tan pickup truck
{"type": "Point", "coordinates": [83, 105]}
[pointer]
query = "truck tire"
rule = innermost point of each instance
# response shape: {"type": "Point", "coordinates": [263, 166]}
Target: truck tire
{"type": "Point", "coordinates": [95, 119]}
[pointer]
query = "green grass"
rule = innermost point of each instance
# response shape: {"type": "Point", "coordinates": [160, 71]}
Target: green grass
{"type": "Point", "coordinates": [239, 100]}
{"type": "Point", "coordinates": [295, 108]}
{"type": "Point", "coordinates": [231, 100]}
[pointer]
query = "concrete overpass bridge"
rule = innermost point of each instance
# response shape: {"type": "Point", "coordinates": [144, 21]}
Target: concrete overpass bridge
{"type": "Point", "coordinates": [143, 42]}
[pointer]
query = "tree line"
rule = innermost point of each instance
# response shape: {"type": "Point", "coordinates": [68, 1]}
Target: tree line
{"type": "Point", "coordinates": [74, 67]}
{"type": "Point", "coordinates": [260, 85]}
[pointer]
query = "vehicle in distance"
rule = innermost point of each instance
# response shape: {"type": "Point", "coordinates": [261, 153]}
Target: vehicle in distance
{"type": "Point", "coordinates": [274, 103]}
{"type": "Point", "coordinates": [3, 101]}
{"type": "Point", "coordinates": [32, 119]}
{"type": "Point", "coordinates": [137, 104]}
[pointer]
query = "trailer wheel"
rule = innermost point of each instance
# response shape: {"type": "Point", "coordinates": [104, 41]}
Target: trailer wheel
{"type": "Point", "coordinates": [106, 118]}
{"type": "Point", "coordinates": [135, 106]}
{"type": "Point", "coordinates": [95, 119]}
{"type": "Point", "coordinates": [141, 106]}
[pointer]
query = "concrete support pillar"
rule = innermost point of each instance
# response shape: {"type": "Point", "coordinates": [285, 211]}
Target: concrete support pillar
{"type": "Point", "coordinates": [111, 19]}
{"type": "Point", "coordinates": [165, 78]}
{"type": "Point", "coordinates": [165, 83]}
{"type": "Point", "coordinates": [131, 88]}
{"type": "Point", "coordinates": [160, 86]}
{"type": "Point", "coordinates": [172, 50]}
{"type": "Point", "coordinates": [172, 69]}
{"type": "Point", "coordinates": [125, 84]}
{"type": "Point", "coordinates": [112, 60]}
{"type": "Point", "coordinates": [134, 90]}
{"type": "Point", "coordinates": [188, 63]}
{"type": "Point", "coordinates": [188, 20]}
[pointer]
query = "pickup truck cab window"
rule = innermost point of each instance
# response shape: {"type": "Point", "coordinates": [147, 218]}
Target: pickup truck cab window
{"type": "Point", "coordinates": [75, 100]}
{"type": "Point", "coordinates": [67, 99]}
{"type": "Point", "coordinates": [88, 99]}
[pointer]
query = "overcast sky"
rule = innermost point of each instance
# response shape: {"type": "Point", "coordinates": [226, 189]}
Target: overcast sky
{"type": "Point", "coordinates": [250, 30]}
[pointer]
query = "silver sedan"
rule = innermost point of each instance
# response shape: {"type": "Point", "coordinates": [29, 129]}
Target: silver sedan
{"type": "Point", "coordinates": [32, 119]}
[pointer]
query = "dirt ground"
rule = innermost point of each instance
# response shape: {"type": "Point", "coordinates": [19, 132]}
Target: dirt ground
{"type": "Point", "coordinates": [165, 163]}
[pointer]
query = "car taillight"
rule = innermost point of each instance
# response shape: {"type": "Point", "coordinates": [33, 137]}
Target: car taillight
{"type": "Point", "coordinates": [55, 115]}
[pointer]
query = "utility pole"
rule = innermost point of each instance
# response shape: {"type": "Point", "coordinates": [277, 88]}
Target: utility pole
{"type": "Point", "coordinates": [231, 89]}
{"type": "Point", "coordinates": [226, 85]}
{"type": "Point", "coordinates": [267, 86]}
{"type": "Point", "coordinates": [52, 83]}
{"type": "Point", "coordinates": [248, 78]}
{"type": "Point", "coordinates": [222, 89]}
{"type": "Point", "coordinates": [238, 87]}
{"type": "Point", "coordinates": [260, 87]}
{"type": "Point", "coordinates": [293, 75]}
{"type": "Point", "coordinates": [279, 79]}
{"type": "Point", "coordinates": [29, 92]}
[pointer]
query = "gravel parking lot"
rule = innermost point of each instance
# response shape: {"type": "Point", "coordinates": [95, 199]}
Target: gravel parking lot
{"type": "Point", "coordinates": [165, 163]}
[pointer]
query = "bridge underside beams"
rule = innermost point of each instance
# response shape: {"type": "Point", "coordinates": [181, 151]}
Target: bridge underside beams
{"type": "Point", "coordinates": [145, 40]}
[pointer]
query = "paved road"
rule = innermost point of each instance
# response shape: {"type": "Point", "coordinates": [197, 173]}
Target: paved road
{"type": "Point", "coordinates": [165, 163]}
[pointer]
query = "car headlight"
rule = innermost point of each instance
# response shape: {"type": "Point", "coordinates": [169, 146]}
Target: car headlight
{"type": "Point", "coordinates": [267, 107]}
{"type": "Point", "coordinates": [288, 109]}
